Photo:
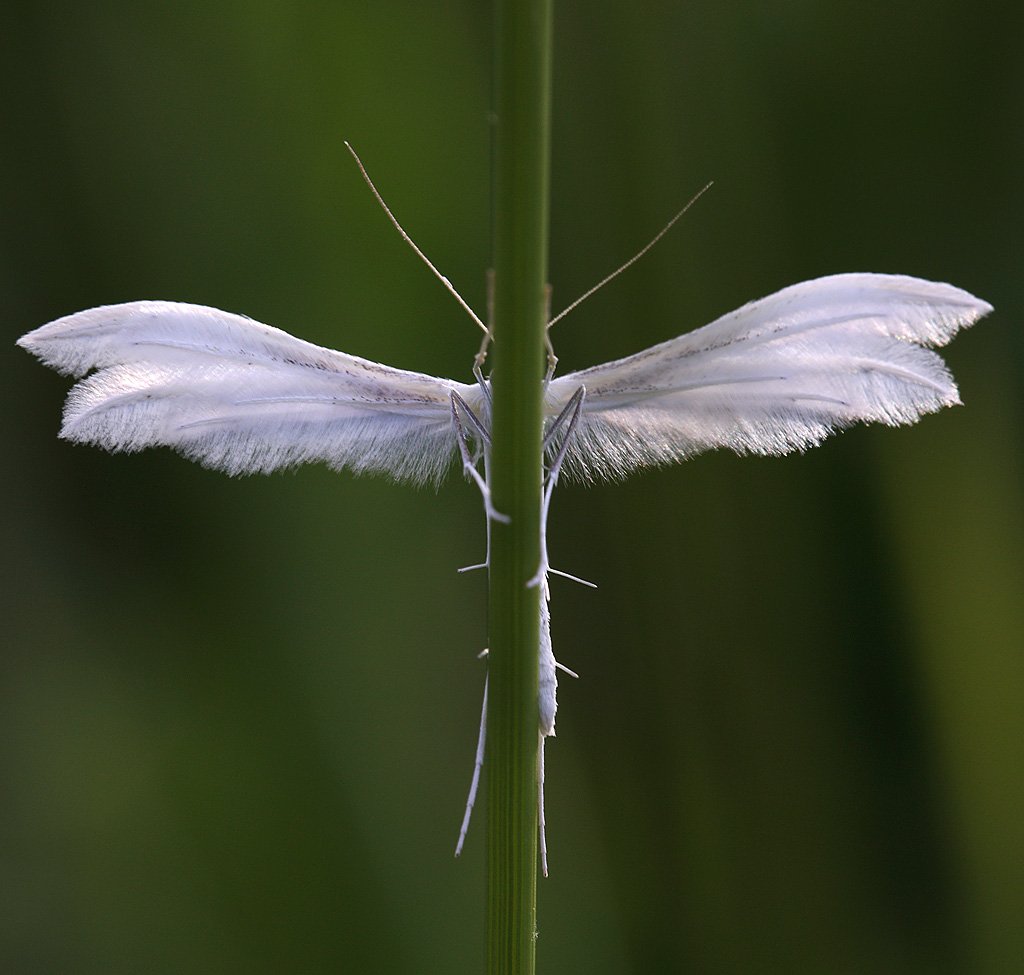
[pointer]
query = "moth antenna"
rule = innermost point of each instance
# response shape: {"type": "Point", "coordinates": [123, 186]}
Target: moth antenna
{"type": "Point", "coordinates": [636, 257]}
{"type": "Point", "coordinates": [423, 257]}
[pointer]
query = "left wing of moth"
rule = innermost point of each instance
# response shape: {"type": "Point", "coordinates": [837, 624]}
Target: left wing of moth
{"type": "Point", "coordinates": [242, 397]}
{"type": "Point", "coordinates": [777, 375]}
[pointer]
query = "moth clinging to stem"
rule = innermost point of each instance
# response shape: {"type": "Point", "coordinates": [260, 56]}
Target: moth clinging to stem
{"type": "Point", "coordinates": [777, 375]}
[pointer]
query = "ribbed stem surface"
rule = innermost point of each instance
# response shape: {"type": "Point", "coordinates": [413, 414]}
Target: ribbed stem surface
{"type": "Point", "coordinates": [522, 140]}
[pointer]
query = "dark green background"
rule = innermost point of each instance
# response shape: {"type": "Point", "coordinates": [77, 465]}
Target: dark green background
{"type": "Point", "coordinates": [237, 717]}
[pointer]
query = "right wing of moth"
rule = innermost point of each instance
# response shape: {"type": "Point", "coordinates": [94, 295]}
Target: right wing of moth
{"type": "Point", "coordinates": [240, 396]}
{"type": "Point", "coordinates": [774, 376]}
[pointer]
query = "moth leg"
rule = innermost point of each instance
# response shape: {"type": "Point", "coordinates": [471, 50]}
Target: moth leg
{"type": "Point", "coordinates": [481, 380]}
{"type": "Point", "coordinates": [548, 347]}
{"type": "Point", "coordinates": [552, 358]}
{"type": "Point", "coordinates": [485, 386]}
{"type": "Point", "coordinates": [478, 763]}
{"type": "Point", "coordinates": [461, 408]}
{"type": "Point", "coordinates": [480, 430]}
{"type": "Point", "coordinates": [569, 576]}
{"type": "Point", "coordinates": [540, 808]}
{"type": "Point", "coordinates": [481, 356]}
{"type": "Point", "coordinates": [490, 296]}
{"type": "Point", "coordinates": [486, 564]}
{"type": "Point", "coordinates": [569, 419]}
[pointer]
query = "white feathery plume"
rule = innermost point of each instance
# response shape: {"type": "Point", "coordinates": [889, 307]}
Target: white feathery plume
{"type": "Point", "coordinates": [242, 397]}
{"type": "Point", "coordinates": [776, 375]}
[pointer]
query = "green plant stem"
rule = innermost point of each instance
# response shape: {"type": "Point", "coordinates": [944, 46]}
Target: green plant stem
{"type": "Point", "coordinates": [522, 150]}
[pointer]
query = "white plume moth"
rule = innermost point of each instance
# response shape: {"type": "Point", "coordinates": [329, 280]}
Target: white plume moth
{"type": "Point", "coordinates": [775, 376]}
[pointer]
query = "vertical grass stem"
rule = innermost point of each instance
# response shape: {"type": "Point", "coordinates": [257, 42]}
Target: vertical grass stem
{"type": "Point", "coordinates": [521, 157]}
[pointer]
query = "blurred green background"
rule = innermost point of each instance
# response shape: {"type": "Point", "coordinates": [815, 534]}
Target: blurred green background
{"type": "Point", "coordinates": [237, 718]}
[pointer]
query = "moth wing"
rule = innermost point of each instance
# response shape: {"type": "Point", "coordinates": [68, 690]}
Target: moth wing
{"type": "Point", "coordinates": [777, 375]}
{"type": "Point", "coordinates": [240, 396]}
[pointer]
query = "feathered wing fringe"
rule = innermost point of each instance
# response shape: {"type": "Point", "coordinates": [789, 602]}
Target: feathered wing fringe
{"type": "Point", "coordinates": [240, 396]}
{"type": "Point", "coordinates": [777, 375]}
